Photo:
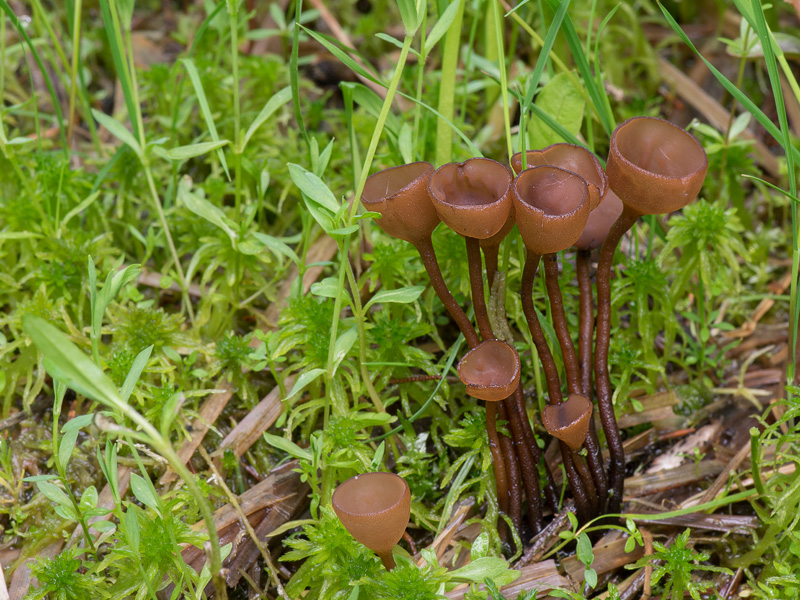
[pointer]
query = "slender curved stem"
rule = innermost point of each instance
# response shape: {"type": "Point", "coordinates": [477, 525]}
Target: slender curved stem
{"type": "Point", "coordinates": [559, 317]}
{"type": "Point", "coordinates": [602, 377]}
{"type": "Point", "coordinates": [387, 559]}
{"type": "Point", "coordinates": [549, 365]}
{"type": "Point", "coordinates": [498, 463]}
{"type": "Point", "coordinates": [476, 286]}
{"type": "Point", "coordinates": [425, 249]}
{"type": "Point", "coordinates": [550, 488]}
{"type": "Point", "coordinates": [490, 256]}
{"type": "Point", "coordinates": [588, 483]}
{"type": "Point", "coordinates": [528, 452]}
{"type": "Point", "coordinates": [575, 484]}
{"type": "Point", "coordinates": [585, 331]}
{"type": "Point", "coordinates": [512, 473]}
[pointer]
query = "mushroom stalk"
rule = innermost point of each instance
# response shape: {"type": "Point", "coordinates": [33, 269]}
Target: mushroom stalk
{"type": "Point", "coordinates": [501, 481]}
{"type": "Point", "coordinates": [476, 286]}
{"type": "Point", "coordinates": [528, 453]}
{"type": "Point", "coordinates": [585, 331]}
{"type": "Point", "coordinates": [426, 252]}
{"type": "Point", "coordinates": [560, 324]}
{"type": "Point", "coordinates": [512, 475]}
{"type": "Point", "coordinates": [602, 377]}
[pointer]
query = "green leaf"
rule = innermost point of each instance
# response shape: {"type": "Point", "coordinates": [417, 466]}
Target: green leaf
{"type": "Point", "coordinates": [343, 345]}
{"type": "Point", "coordinates": [203, 208]}
{"type": "Point", "coordinates": [191, 69]}
{"type": "Point", "coordinates": [139, 363]}
{"type": "Point", "coordinates": [489, 567]}
{"type": "Point", "coordinates": [563, 101]}
{"type": "Point", "coordinates": [169, 411]}
{"type": "Point", "coordinates": [313, 187]}
{"type": "Point", "coordinates": [327, 288]}
{"type": "Point", "coordinates": [89, 498]}
{"type": "Point", "coordinates": [132, 528]}
{"type": "Point", "coordinates": [276, 246]}
{"type": "Point", "coordinates": [302, 381]}
{"type": "Point", "coordinates": [118, 130]}
{"type": "Point", "coordinates": [342, 56]}
{"type": "Point", "coordinates": [397, 296]}
{"type": "Point", "coordinates": [65, 446]}
{"type": "Point", "coordinates": [408, 12]}
{"type": "Point", "coordinates": [278, 99]}
{"type": "Point", "coordinates": [480, 547]}
{"type": "Point", "coordinates": [115, 281]}
{"type": "Point", "coordinates": [77, 423]}
{"type": "Point", "coordinates": [584, 549]}
{"type": "Point", "coordinates": [54, 493]}
{"type": "Point", "coordinates": [103, 526]}
{"type": "Point", "coordinates": [287, 446]}
{"type": "Point", "coordinates": [441, 27]}
{"type": "Point", "coordinates": [67, 363]}
{"type": "Point", "coordinates": [144, 492]}
{"type": "Point", "coordinates": [190, 151]}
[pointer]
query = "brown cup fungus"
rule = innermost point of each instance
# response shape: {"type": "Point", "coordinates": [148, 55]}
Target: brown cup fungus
{"type": "Point", "coordinates": [374, 508]}
{"type": "Point", "coordinates": [599, 223]}
{"type": "Point", "coordinates": [472, 198]}
{"type": "Point", "coordinates": [400, 195]}
{"type": "Point", "coordinates": [490, 371]}
{"type": "Point", "coordinates": [570, 157]}
{"type": "Point", "coordinates": [654, 167]}
{"type": "Point", "coordinates": [551, 207]}
{"type": "Point", "coordinates": [568, 421]}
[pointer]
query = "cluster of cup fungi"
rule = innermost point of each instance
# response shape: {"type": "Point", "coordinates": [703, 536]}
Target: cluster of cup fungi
{"type": "Point", "coordinates": [560, 198]}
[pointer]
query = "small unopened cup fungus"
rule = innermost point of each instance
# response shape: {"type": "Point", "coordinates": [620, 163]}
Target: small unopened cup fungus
{"type": "Point", "coordinates": [490, 371]}
{"type": "Point", "coordinates": [568, 421]}
{"type": "Point", "coordinates": [374, 508]}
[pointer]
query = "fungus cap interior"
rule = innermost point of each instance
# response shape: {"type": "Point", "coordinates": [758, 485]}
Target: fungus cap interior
{"type": "Point", "coordinates": [659, 147]}
{"type": "Point", "coordinates": [476, 182]}
{"type": "Point", "coordinates": [491, 364]}
{"type": "Point", "coordinates": [571, 158]}
{"type": "Point", "coordinates": [387, 183]}
{"type": "Point", "coordinates": [370, 494]}
{"type": "Point", "coordinates": [551, 190]}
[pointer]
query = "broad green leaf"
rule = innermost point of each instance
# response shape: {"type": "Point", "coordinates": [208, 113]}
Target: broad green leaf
{"type": "Point", "coordinates": [313, 187]}
{"type": "Point", "coordinates": [66, 362]}
{"type": "Point", "coordinates": [277, 247]}
{"type": "Point", "coordinates": [490, 567]}
{"type": "Point", "coordinates": [342, 346]}
{"type": "Point", "coordinates": [441, 27]}
{"type": "Point", "coordinates": [327, 288]}
{"type": "Point", "coordinates": [563, 101]}
{"type": "Point", "coordinates": [77, 423]}
{"type": "Point", "coordinates": [203, 208]}
{"type": "Point", "coordinates": [408, 12]}
{"type": "Point", "coordinates": [303, 380]}
{"type": "Point", "coordinates": [143, 492]}
{"type": "Point", "coordinates": [190, 151]}
{"type": "Point", "coordinates": [53, 493]}
{"type": "Point", "coordinates": [132, 528]}
{"type": "Point", "coordinates": [65, 446]}
{"type": "Point", "coordinates": [278, 99]}
{"type": "Point", "coordinates": [118, 130]}
{"type": "Point", "coordinates": [584, 549]}
{"type": "Point", "coordinates": [89, 498]}
{"type": "Point", "coordinates": [103, 525]}
{"type": "Point", "coordinates": [397, 296]}
{"type": "Point", "coordinates": [139, 363]}
{"type": "Point", "coordinates": [480, 547]}
{"type": "Point", "coordinates": [287, 446]}
{"type": "Point", "coordinates": [191, 69]}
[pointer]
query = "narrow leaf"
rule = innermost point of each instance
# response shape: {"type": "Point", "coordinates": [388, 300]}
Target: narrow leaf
{"type": "Point", "coordinates": [303, 380]}
{"type": "Point", "coordinates": [118, 130]}
{"type": "Point", "coordinates": [278, 99]}
{"type": "Point", "coordinates": [398, 296]}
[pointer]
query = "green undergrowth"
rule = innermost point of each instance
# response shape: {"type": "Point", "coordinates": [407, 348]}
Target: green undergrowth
{"type": "Point", "coordinates": [156, 198]}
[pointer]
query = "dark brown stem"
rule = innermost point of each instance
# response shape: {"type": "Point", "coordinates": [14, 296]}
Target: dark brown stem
{"type": "Point", "coordinates": [586, 322]}
{"type": "Point", "coordinates": [497, 458]}
{"type": "Point", "coordinates": [585, 330]}
{"type": "Point", "coordinates": [548, 364]}
{"type": "Point", "coordinates": [576, 485]}
{"type": "Point", "coordinates": [528, 453]}
{"type": "Point", "coordinates": [512, 474]}
{"type": "Point", "coordinates": [560, 324]}
{"type": "Point", "coordinates": [588, 483]}
{"type": "Point", "coordinates": [550, 488]}
{"type": "Point", "coordinates": [490, 256]}
{"type": "Point", "coordinates": [387, 559]}
{"type": "Point", "coordinates": [476, 285]}
{"type": "Point", "coordinates": [602, 377]}
{"type": "Point", "coordinates": [425, 248]}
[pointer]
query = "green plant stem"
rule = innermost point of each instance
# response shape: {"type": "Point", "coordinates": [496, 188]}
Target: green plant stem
{"type": "Point", "coordinates": [501, 65]}
{"type": "Point", "coordinates": [76, 47]}
{"type": "Point", "coordinates": [447, 88]}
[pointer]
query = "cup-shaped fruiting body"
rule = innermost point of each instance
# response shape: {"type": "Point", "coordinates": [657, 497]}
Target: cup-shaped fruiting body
{"type": "Point", "coordinates": [400, 195]}
{"type": "Point", "coordinates": [490, 370]}
{"type": "Point", "coordinates": [599, 223]}
{"type": "Point", "coordinates": [472, 198]}
{"type": "Point", "coordinates": [655, 167]}
{"type": "Point", "coordinates": [571, 158]}
{"type": "Point", "coordinates": [568, 421]}
{"type": "Point", "coordinates": [498, 237]}
{"type": "Point", "coordinates": [374, 508]}
{"type": "Point", "coordinates": [551, 207]}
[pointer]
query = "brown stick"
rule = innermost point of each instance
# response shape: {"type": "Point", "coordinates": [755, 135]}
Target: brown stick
{"type": "Point", "coordinates": [602, 377]}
